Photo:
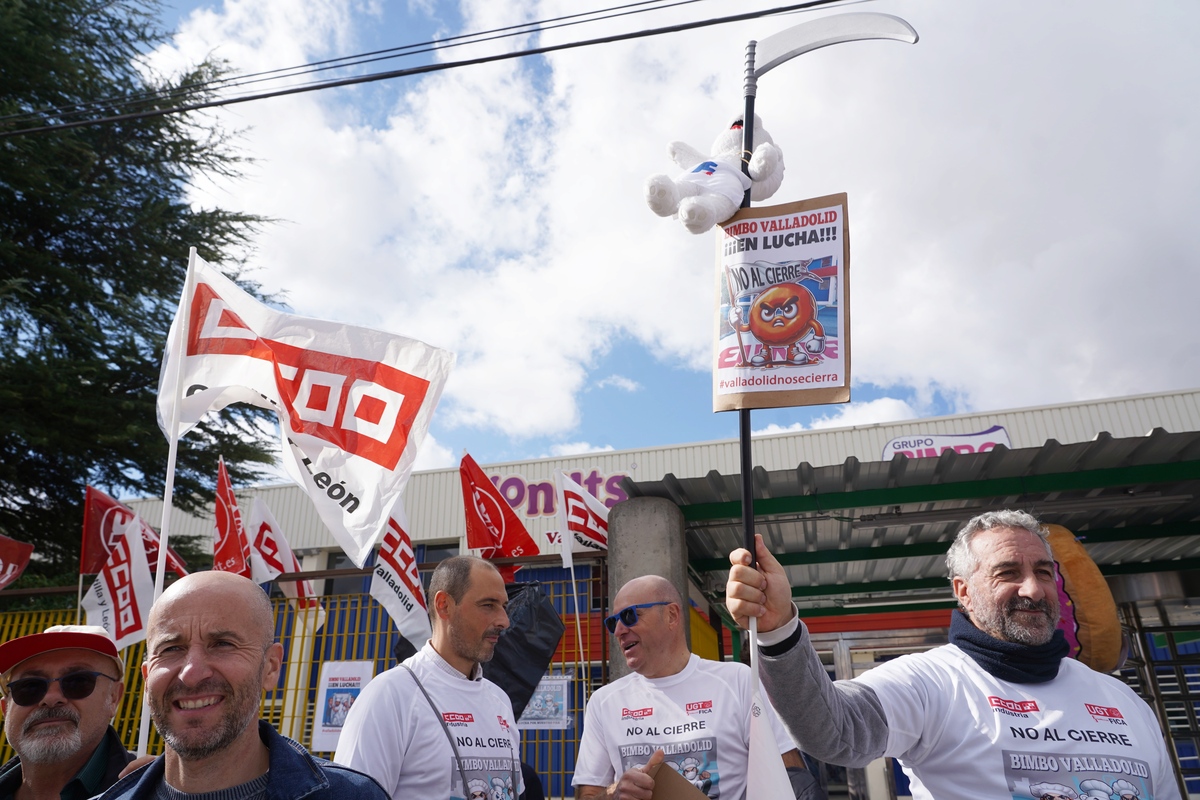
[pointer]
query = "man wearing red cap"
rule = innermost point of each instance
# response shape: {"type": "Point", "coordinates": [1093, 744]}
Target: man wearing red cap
{"type": "Point", "coordinates": [61, 689]}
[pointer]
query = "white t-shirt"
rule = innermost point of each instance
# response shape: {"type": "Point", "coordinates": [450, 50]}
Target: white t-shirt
{"type": "Point", "coordinates": [391, 734]}
{"type": "Point", "coordinates": [700, 716]}
{"type": "Point", "coordinates": [961, 732]}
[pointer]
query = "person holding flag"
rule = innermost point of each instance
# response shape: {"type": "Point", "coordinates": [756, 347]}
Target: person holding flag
{"type": "Point", "coordinates": [672, 701]}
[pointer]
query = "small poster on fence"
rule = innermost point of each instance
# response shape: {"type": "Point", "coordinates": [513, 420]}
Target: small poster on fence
{"type": "Point", "coordinates": [339, 687]}
{"type": "Point", "coordinates": [782, 311]}
{"type": "Point", "coordinates": [548, 708]}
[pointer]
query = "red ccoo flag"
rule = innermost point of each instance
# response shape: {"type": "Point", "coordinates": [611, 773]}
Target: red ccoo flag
{"type": "Point", "coordinates": [14, 558]}
{"type": "Point", "coordinates": [231, 552]}
{"type": "Point", "coordinates": [492, 525]}
{"type": "Point", "coordinates": [104, 520]}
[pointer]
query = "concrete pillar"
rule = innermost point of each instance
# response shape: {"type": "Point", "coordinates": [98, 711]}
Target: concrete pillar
{"type": "Point", "coordinates": [645, 537]}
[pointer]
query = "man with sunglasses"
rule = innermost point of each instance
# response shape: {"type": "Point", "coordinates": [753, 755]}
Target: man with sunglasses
{"type": "Point", "coordinates": [673, 707]}
{"type": "Point", "coordinates": [61, 689]}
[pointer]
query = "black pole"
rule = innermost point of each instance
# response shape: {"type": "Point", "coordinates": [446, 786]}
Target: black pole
{"type": "Point", "coordinates": [750, 86]}
{"type": "Point", "coordinates": [751, 89]}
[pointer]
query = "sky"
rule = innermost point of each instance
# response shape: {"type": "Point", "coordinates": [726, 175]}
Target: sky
{"type": "Point", "coordinates": [1023, 186]}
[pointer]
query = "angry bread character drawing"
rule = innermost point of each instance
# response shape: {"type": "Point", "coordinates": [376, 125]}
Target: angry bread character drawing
{"type": "Point", "coordinates": [783, 316]}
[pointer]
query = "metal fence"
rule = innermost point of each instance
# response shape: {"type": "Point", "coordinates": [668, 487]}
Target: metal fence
{"type": "Point", "coordinates": [356, 628]}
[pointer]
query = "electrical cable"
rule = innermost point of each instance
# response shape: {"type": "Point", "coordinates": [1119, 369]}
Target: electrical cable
{"type": "Point", "coordinates": [421, 70]}
{"type": "Point", "coordinates": [342, 62]}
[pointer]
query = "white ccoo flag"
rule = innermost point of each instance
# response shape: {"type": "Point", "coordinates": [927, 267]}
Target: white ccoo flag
{"type": "Point", "coordinates": [582, 517]}
{"type": "Point", "coordinates": [271, 556]}
{"type": "Point", "coordinates": [353, 403]}
{"type": "Point", "coordinates": [396, 584]}
{"type": "Point", "coordinates": [120, 598]}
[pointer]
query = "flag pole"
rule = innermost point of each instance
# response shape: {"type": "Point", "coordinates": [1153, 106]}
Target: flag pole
{"type": "Point", "coordinates": [172, 453]}
{"type": "Point", "coordinates": [583, 670]}
{"type": "Point", "coordinates": [82, 548]}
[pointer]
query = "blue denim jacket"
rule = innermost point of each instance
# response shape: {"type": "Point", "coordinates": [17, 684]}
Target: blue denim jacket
{"type": "Point", "coordinates": [295, 774]}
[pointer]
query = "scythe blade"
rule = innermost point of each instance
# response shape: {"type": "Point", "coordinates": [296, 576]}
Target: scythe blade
{"type": "Point", "coordinates": [808, 36]}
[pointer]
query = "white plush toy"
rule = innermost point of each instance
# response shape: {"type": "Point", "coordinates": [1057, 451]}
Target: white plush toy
{"type": "Point", "coordinates": [710, 188]}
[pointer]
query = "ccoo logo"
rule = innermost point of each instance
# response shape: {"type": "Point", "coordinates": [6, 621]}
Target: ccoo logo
{"type": "Point", "coordinates": [366, 408]}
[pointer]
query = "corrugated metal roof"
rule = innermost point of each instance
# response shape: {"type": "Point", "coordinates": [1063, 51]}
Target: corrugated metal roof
{"type": "Point", "coordinates": [433, 499]}
{"type": "Point", "coordinates": [863, 529]}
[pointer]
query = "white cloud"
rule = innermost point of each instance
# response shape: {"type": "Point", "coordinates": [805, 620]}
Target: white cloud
{"type": "Point", "coordinates": [434, 455]}
{"type": "Point", "coordinates": [619, 382]}
{"type": "Point", "coordinates": [576, 449]}
{"type": "Point", "coordinates": [872, 412]}
{"type": "Point", "coordinates": [1020, 197]}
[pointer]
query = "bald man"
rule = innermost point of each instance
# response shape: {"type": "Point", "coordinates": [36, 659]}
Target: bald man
{"type": "Point", "coordinates": [672, 702]}
{"type": "Point", "coordinates": [210, 654]}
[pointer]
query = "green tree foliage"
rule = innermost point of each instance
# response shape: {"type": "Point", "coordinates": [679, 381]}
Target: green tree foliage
{"type": "Point", "coordinates": [94, 231]}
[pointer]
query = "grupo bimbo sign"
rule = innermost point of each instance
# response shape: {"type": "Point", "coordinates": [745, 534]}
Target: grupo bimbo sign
{"type": "Point", "coordinates": [934, 444]}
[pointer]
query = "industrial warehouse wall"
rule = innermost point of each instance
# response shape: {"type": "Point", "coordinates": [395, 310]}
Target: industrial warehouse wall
{"type": "Point", "coordinates": [357, 628]}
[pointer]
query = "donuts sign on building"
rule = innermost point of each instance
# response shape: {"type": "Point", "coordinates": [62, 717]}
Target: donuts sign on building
{"type": "Point", "coordinates": [531, 498]}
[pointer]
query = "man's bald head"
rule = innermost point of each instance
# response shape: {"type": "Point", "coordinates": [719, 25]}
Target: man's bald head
{"type": "Point", "coordinates": [650, 589]}
{"type": "Point", "coordinates": [210, 654]}
{"type": "Point", "coordinates": [218, 590]}
{"type": "Point", "coordinates": [651, 633]}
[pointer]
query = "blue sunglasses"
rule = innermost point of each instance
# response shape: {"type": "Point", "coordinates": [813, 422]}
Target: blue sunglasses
{"type": "Point", "coordinates": [629, 615]}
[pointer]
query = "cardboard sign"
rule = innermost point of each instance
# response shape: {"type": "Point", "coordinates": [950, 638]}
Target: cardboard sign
{"type": "Point", "coordinates": [782, 329]}
{"type": "Point", "coordinates": [670, 785]}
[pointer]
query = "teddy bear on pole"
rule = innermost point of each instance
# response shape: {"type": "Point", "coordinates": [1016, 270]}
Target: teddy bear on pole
{"type": "Point", "coordinates": [710, 188]}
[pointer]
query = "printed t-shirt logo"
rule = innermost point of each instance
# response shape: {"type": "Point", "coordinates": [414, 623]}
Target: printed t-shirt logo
{"type": "Point", "coordinates": [701, 707]}
{"type": "Point", "coordinates": [1014, 706]}
{"type": "Point", "coordinates": [636, 713]}
{"type": "Point", "coordinates": [1103, 712]}
{"type": "Point", "coordinates": [457, 718]}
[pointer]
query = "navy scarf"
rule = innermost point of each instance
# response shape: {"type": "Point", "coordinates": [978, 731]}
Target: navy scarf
{"type": "Point", "coordinates": [1008, 661]}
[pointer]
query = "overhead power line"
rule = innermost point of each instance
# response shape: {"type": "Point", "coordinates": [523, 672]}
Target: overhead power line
{"type": "Point", "coordinates": [109, 104]}
{"type": "Point", "coordinates": [420, 70]}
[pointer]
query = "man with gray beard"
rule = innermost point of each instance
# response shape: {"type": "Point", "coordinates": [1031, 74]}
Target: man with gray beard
{"type": "Point", "coordinates": [994, 713]}
{"type": "Point", "coordinates": [60, 690]}
{"type": "Point", "coordinates": [210, 654]}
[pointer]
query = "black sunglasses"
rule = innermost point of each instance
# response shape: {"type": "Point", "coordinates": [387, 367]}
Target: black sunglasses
{"type": "Point", "coordinates": [629, 615]}
{"type": "Point", "coordinates": [74, 686]}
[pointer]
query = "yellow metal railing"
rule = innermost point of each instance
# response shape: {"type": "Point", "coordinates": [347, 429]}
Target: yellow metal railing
{"type": "Point", "coordinates": [357, 628]}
